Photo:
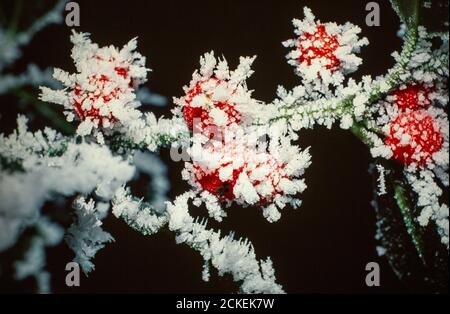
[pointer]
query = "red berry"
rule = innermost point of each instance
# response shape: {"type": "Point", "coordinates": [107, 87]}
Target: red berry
{"type": "Point", "coordinates": [319, 45]}
{"type": "Point", "coordinates": [190, 113]}
{"type": "Point", "coordinates": [414, 137]}
{"type": "Point", "coordinates": [101, 92]}
{"type": "Point", "coordinates": [122, 71]}
{"type": "Point", "coordinates": [94, 113]}
{"type": "Point", "coordinates": [211, 182]}
{"type": "Point", "coordinates": [202, 112]}
{"type": "Point", "coordinates": [413, 97]}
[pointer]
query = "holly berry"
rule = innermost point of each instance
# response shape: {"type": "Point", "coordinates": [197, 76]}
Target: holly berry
{"type": "Point", "coordinates": [321, 46]}
{"type": "Point", "coordinates": [412, 97]}
{"type": "Point", "coordinates": [201, 113]}
{"type": "Point", "coordinates": [414, 137]}
{"type": "Point", "coordinates": [268, 170]}
{"type": "Point", "coordinates": [105, 90]}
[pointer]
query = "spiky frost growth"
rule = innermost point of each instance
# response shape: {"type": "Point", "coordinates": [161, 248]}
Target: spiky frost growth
{"type": "Point", "coordinates": [85, 236]}
{"type": "Point", "coordinates": [101, 94]}
{"type": "Point", "coordinates": [324, 51]}
{"type": "Point", "coordinates": [139, 215]}
{"type": "Point", "coordinates": [227, 255]}
{"type": "Point", "coordinates": [247, 171]}
{"type": "Point", "coordinates": [217, 97]}
{"type": "Point", "coordinates": [37, 166]}
{"type": "Point", "coordinates": [150, 133]}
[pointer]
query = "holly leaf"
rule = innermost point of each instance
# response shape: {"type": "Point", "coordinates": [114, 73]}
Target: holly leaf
{"type": "Point", "coordinates": [407, 10]}
{"type": "Point", "coordinates": [412, 227]}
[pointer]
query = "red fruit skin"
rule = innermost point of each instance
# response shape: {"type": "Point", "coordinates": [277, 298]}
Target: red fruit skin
{"type": "Point", "coordinates": [328, 46]}
{"type": "Point", "coordinates": [408, 98]}
{"type": "Point", "coordinates": [211, 182]}
{"type": "Point", "coordinates": [424, 136]}
{"type": "Point", "coordinates": [94, 113]}
{"type": "Point", "coordinates": [205, 124]}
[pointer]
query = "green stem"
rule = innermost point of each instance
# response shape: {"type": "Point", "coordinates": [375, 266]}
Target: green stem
{"type": "Point", "coordinates": [414, 230]}
{"type": "Point", "coordinates": [361, 133]}
{"type": "Point", "coordinates": [311, 110]}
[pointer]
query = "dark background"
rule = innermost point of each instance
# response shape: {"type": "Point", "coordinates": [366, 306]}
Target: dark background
{"type": "Point", "coordinates": [322, 247]}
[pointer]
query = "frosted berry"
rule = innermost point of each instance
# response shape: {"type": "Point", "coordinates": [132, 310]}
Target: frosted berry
{"type": "Point", "coordinates": [414, 137]}
{"type": "Point", "coordinates": [412, 97]}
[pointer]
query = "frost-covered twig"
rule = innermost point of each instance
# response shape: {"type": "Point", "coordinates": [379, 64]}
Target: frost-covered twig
{"type": "Point", "coordinates": [37, 166]}
{"type": "Point", "coordinates": [139, 215]}
{"type": "Point", "coordinates": [227, 255]}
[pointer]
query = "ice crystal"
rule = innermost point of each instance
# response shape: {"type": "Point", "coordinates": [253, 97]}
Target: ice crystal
{"type": "Point", "coordinates": [324, 51]}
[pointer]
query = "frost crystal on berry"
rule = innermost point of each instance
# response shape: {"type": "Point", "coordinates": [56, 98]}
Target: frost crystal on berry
{"type": "Point", "coordinates": [217, 97]}
{"type": "Point", "coordinates": [248, 173]}
{"type": "Point", "coordinates": [412, 97]}
{"type": "Point", "coordinates": [102, 92]}
{"type": "Point", "coordinates": [237, 151]}
{"type": "Point", "coordinates": [414, 137]}
{"type": "Point", "coordinates": [324, 51]}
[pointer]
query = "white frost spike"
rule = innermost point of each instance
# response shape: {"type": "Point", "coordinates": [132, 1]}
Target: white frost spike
{"type": "Point", "coordinates": [226, 254]}
{"type": "Point", "coordinates": [85, 236]}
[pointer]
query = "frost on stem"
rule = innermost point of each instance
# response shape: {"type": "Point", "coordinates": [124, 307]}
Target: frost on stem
{"type": "Point", "coordinates": [429, 194]}
{"type": "Point", "coordinates": [227, 255]}
{"type": "Point", "coordinates": [381, 180]}
{"type": "Point", "coordinates": [140, 216]}
{"type": "Point", "coordinates": [37, 167]}
{"type": "Point", "coordinates": [150, 133]}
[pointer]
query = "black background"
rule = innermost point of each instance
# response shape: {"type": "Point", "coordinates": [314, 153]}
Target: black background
{"type": "Point", "coordinates": [322, 247]}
